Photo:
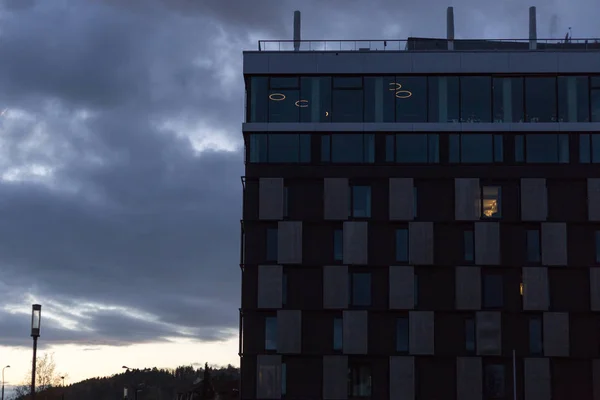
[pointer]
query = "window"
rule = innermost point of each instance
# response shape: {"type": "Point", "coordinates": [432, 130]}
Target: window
{"type": "Point", "coordinates": [475, 99]}
{"type": "Point", "coordinates": [416, 289]}
{"type": "Point", "coordinates": [284, 286]}
{"type": "Point", "coordinates": [279, 148]}
{"type": "Point", "coordinates": [360, 201]}
{"type": "Point", "coordinates": [470, 335]}
{"type": "Point", "coordinates": [259, 95]}
{"type": "Point", "coordinates": [540, 99]}
{"type": "Point", "coordinates": [595, 101]}
{"type": "Point", "coordinates": [283, 379]}
{"type": "Point", "coordinates": [469, 245]}
{"type": "Point", "coordinates": [380, 99]}
{"type": "Point", "coordinates": [286, 202]}
{"type": "Point", "coordinates": [402, 335]}
{"type": "Point", "coordinates": [411, 98]}
{"type": "Point", "coordinates": [589, 148]}
{"type": "Point", "coordinates": [495, 384]}
{"type": "Point", "coordinates": [360, 289]}
{"type": "Point", "coordinates": [272, 244]}
{"type": "Point", "coordinates": [475, 148]}
{"type": "Point", "coordinates": [535, 336]}
{"type": "Point", "coordinates": [508, 99]}
{"type": "Point", "coordinates": [417, 148]}
{"type": "Point", "coordinates": [547, 148]}
{"type": "Point", "coordinates": [533, 246]}
{"type": "Point", "coordinates": [347, 99]}
{"type": "Point", "coordinates": [598, 247]}
{"type": "Point", "coordinates": [491, 201]}
{"type": "Point", "coordinates": [315, 99]}
{"type": "Point", "coordinates": [573, 99]}
{"type": "Point", "coordinates": [338, 333]}
{"type": "Point", "coordinates": [338, 245]}
{"type": "Point", "coordinates": [348, 148]}
{"type": "Point", "coordinates": [443, 99]}
{"type": "Point", "coordinates": [271, 333]}
{"type": "Point", "coordinates": [402, 245]}
{"type": "Point", "coordinates": [284, 99]}
{"type": "Point", "coordinates": [519, 148]}
{"type": "Point", "coordinates": [415, 201]}
{"type": "Point", "coordinates": [359, 381]}
{"type": "Point", "coordinates": [493, 291]}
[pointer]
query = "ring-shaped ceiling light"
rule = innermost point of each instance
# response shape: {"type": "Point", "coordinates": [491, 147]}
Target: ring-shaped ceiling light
{"type": "Point", "coordinates": [277, 96]}
{"type": "Point", "coordinates": [394, 89]}
{"type": "Point", "coordinates": [302, 103]}
{"type": "Point", "coordinates": [403, 94]}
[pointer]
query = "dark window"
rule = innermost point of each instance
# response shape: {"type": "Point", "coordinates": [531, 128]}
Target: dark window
{"type": "Point", "coordinates": [573, 99]}
{"type": "Point", "coordinates": [493, 289]}
{"type": "Point", "coordinates": [547, 148]}
{"type": "Point", "coordinates": [491, 202]}
{"type": "Point", "coordinates": [380, 99]}
{"type": "Point", "coordinates": [286, 202]}
{"type": "Point", "coordinates": [533, 245]}
{"type": "Point", "coordinates": [259, 99]}
{"type": "Point", "coordinates": [349, 148]}
{"type": "Point", "coordinates": [360, 289]}
{"type": "Point", "coordinates": [589, 148]}
{"type": "Point", "coordinates": [519, 148]}
{"type": "Point", "coordinates": [475, 99]}
{"type": "Point", "coordinates": [508, 99]}
{"type": "Point", "coordinates": [402, 335]}
{"type": "Point", "coordinates": [443, 99]}
{"type": "Point", "coordinates": [411, 98]}
{"type": "Point", "coordinates": [284, 286]}
{"type": "Point", "coordinates": [326, 148]}
{"type": "Point", "coordinates": [595, 104]}
{"type": "Point", "coordinates": [338, 245]}
{"type": "Point", "coordinates": [279, 148]}
{"type": "Point", "coordinates": [284, 99]}
{"type": "Point", "coordinates": [315, 99]}
{"type": "Point", "coordinates": [475, 148]}
{"type": "Point", "coordinates": [598, 247]}
{"type": "Point", "coordinates": [271, 244]}
{"type": "Point", "coordinates": [360, 201]}
{"type": "Point", "coordinates": [359, 381]}
{"type": "Point", "coordinates": [536, 347]}
{"type": "Point", "coordinates": [470, 335]}
{"type": "Point", "coordinates": [415, 201]}
{"type": "Point", "coordinates": [495, 384]}
{"type": "Point", "coordinates": [271, 333]}
{"type": "Point", "coordinates": [416, 289]}
{"type": "Point", "coordinates": [540, 99]}
{"type": "Point", "coordinates": [469, 245]}
{"type": "Point", "coordinates": [283, 379]}
{"type": "Point", "coordinates": [413, 148]}
{"type": "Point", "coordinates": [402, 245]}
{"type": "Point", "coordinates": [347, 99]}
{"type": "Point", "coordinates": [338, 333]}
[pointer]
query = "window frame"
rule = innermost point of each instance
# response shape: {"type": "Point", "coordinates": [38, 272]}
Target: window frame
{"type": "Point", "coordinates": [561, 138]}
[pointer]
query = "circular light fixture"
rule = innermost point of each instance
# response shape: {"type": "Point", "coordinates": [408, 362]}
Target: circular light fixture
{"type": "Point", "coordinates": [277, 96]}
{"type": "Point", "coordinates": [403, 94]}
{"type": "Point", "coordinates": [396, 88]}
{"type": "Point", "coordinates": [302, 103]}
{"type": "Point", "coordinates": [327, 113]}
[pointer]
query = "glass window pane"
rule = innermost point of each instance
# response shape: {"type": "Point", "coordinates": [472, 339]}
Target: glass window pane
{"type": "Point", "coordinates": [284, 147]}
{"type": "Point", "coordinates": [369, 148]}
{"type": "Point", "coordinates": [476, 148]}
{"type": "Point", "coordinates": [595, 100]}
{"type": "Point", "coordinates": [283, 105]}
{"type": "Point", "coordinates": [271, 333]}
{"type": "Point", "coordinates": [492, 201]}
{"type": "Point", "coordinates": [402, 335]}
{"type": "Point", "coordinates": [535, 336]}
{"type": "Point", "coordinates": [315, 99]}
{"type": "Point", "coordinates": [402, 245]}
{"type": "Point", "coordinates": [361, 201]}
{"type": "Point", "coordinates": [272, 244]}
{"type": "Point", "coordinates": [410, 93]}
{"type": "Point", "coordinates": [411, 148]}
{"type": "Point", "coordinates": [493, 288]}
{"type": "Point", "coordinates": [283, 379]}
{"type": "Point", "coordinates": [361, 289]}
{"type": "Point", "coordinates": [434, 148]}
{"type": "Point", "coordinates": [573, 99]}
{"type": "Point", "coordinates": [325, 148]}
{"type": "Point", "coordinates": [304, 148]}
{"type": "Point", "coordinates": [344, 82]}
{"type": "Point", "coordinates": [469, 246]}
{"type": "Point", "coordinates": [259, 99]}
{"type": "Point", "coordinates": [540, 99]}
{"type": "Point", "coordinates": [595, 142]}
{"type": "Point", "coordinates": [494, 382]}
{"type": "Point", "coordinates": [379, 99]}
{"type": "Point", "coordinates": [360, 381]}
{"type": "Point", "coordinates": [415, 201]}
{"type": "Point", "coordinates": [389, 148]}
{"type": "Point", "coordinates": [584, 148]}
{"type": "Point", "coordinates": [443, 99]}
{"type": "Point", "coordinates": [542, 148]}
{"type": "Point", "coordinates": [498, 148]}
{"type": "Point", "coordinates": [519, 148]}
{"type": "Point", "coordinates": [533, 245]}
{"type": "Point", "coordinates": [287, 82]}
{"type": "Point", "coordinates": [508, 99]}
{"type": "Point", "coordinates": [347, 105]}
{"type": "Point", "coordinates": [598, 246]}
{"type": "Point", "coordinates": [338, 243]}
{"type": "Point", "coordinates": [563, 148]}
{"type": "Point", "coordinates": [416, 289]}
{"type": "Point", "coordinates": [454, 148]}
{"type": "Point", "coordinates": [475, 99]}
{"type": "Point", "coordinates": [258, 148]}
{"type": "Point", "coordinates": [347, 148]}
{"type": "Point", "coordinates": [470, 335]}
{"type": "Point", "coordinates": [284, 284]}
{"type": "Point", "coordinates": [338, 336]}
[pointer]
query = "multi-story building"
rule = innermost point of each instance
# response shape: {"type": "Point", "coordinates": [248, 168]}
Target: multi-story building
{"type": "Point", "coordinates": [421, 220]}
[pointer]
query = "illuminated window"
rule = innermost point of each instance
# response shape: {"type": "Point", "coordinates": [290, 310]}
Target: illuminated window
{"type": "Point", "coordinates": [475, 99]}
{"type": "Point", "coordinates": [271, 333]}
{"type": "Point", "coordinates": [540, 99]}
{"type": "Point", "coordinates": [491, 201]}
{"type": "Point", "coordinates": [419, 148]}
{"type": "Point", "coordinates": [338, 333]}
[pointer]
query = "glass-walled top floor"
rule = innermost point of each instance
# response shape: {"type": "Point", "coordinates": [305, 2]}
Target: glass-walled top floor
{"type": "Point", "coordinates": [419, 99]}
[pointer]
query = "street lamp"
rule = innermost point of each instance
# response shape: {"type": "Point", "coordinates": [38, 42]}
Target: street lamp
{"type": "Point", "coordinates": [8, 366]}
{"type": "Point", "coordinates": [63, 390]}
{"type": "Point", "coordinates": [36, 319]}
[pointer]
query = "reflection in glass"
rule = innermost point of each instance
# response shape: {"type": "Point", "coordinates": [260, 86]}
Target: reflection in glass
{"type": "Point", "coordinates": [470, 335]}
{"type": "Point", "coordinates": [493, 287]}
{"type": "Point", "coordinates": [491, 201]}
{"type": "Point", "coordinates": [282, 105]}
{"type": "Point", "coordinates": [443, 99]}
{"type": "Point", "coordinates": [535, 336]}
{"type": "Point", "coordinates": [338, 245]}
{"type": "Point", "coordinates": [533, 245]}
{"type": "Point", "coordinates": [284, 82]}
{"type": "Point", "coordinates": [508, 99]}
{"type": "Point", "coordinates": [361, 289]}
{"type": "Point", "coordinates": [361, 202]}
{"type": "Point", "coordinates": [411, 108]}
{"type": "Point", "coordinates": [338, 333]}
{"type": "Point", "coordinates": [547, 148]}
{"type": "Point", "coordinates": [259, 99]}
{"type": "Point", "coordinates": [379, 100]}
{"type": "Point", "coordinates": [316, 91]}
{"type": "Point", "coordinates": [475, 99]}
{"type": "Point", "coordinates": [402, 245]}
{"type": "Point", "coordinates": [573, 99]}
{"type": "Point", "coordinates": [454, 148]}
{"type": "Point", "coordinates": [271, 333]}
{"type": "Point", "coordinates": [540, 99]}
{"type": "Point", "coordinates": [402, 335]}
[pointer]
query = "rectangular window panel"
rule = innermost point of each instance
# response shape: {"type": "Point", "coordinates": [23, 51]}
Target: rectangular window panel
{"type": "Point", "coordinates": [361, 289]}
{"type": "Point", "coordinates": [315, 99]}
{"type": "Point", "coordinates": [338, 245]}
{"type": "Point", "coordinates": [402, 245]}
{"type": "Point", "coordinates": [498, 148]}
{"type": "Point", "coordinates": [415, 201]}
{"type": "Point", "coordinates": [585, 148]}
{"type": "Point", "coordinates": [573, 99]}
{"type": "Point", "coordinates": [491, 201]}
{"type": "Point", "coordinates": [380, 99]}
{"type": "Point", "coordinates": [469, 240]}
{"type": "Point", "coordinates": [361, 202]}
{"type": "Point", "coordinates": [390, 148]}
{"type": "Point", "coordinates": [540, 99]}
{"type": "Point", "coordinates": [476, 148]}
{"type": "Point", "coordinates": [470, 335]}
{"type": "Point", "coordinates": [533, 246]}
{"type": "Point", "coordinates": [360, 381]}
{"type": "Point", "coordinates": [443, 99]}
{"type": "Point", "coordinates": [475, 99]}
{"type": "Point", "coordinates": [595, 105]}
{"type": "Point", "coordinates": [494, 382]}
{"type": "Point", "coordinates": [454, 148]}
{"type": "Point", "coordinates": [271, 244]}
{"type": "Point", "coordinates": [338, 336]}
{"type": "Point", "coordinates": [535, 336]}
{"type": "Point", "coordinates": [508, 99]}
{"type": "Point", "coordinates": [410, 93]}
{"type": "Point", "coordinates": [433, 148]}
{"type": "Point", "coordinates": [271, 333]}
{"type": "Point", "coordinates": [595, 145]}
{"type": "Point", "coordinates": [284, 82]}
{"type": "Point", "coordinates": [519, 148]}
{"type": "Point", "coordinates": [283, 105]}
{"type": "Point", "coordinates": [352, 148]}
{"type": "Point", "coordinates": [402, 335]}
{"type": "Point", "coordinates": [417, 148]}
{"type": "Point", "coordinates": [259, 99]}
{"type": "Point", "coordinates": [288, 148]}
{"type": "Point", "coordinates": [547, 148]}
{"type": "Point", "coordinates": [258, 148]}
{"type": "Point", "coordinates": [283, 379]}
{"type": "Point", "coordinates": [493, 289]}
{"type": "Point", "coordinates": [325, 148]}
{"type": "Point", "coordinates": [347, 105]}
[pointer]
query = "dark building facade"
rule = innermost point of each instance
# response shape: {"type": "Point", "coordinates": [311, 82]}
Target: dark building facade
{"type": "Point", "coordinates": [421, 224]}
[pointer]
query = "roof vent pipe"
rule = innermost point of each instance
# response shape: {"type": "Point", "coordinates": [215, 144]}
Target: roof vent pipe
{"type": "Point", "coordinates": [450, 27]}
{"type": "Point", "coordinates": [297, 30]}
{"type": "Point", "coordinates": [532, 29]}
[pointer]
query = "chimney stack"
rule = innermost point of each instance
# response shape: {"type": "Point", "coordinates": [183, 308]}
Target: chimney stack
{"type": "Point", "coordinates": [297, 30]}
{"type": "Point", "coordinates": [450, 27]}
{"type": "Point", "coordinates": [532, 29]}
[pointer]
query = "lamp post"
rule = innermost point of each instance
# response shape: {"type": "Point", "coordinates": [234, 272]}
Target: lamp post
{"type": "Point", "coordinates": [8, 366]}
{"type": "Point", "coordinates": [63, 387]}
{"type": "Point", "coordinates": [36, 318]}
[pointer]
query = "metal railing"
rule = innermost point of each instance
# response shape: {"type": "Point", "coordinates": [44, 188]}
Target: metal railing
{"type": "Point", "coordinates": [425, 44]}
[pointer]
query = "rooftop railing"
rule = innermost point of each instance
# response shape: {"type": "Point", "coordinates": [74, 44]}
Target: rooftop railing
{"type": "Point", "coordinates": [427, 44]}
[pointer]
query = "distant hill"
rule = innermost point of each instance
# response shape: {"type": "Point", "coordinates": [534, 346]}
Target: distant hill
{"type": "Point", "coordinates": [153, 384]}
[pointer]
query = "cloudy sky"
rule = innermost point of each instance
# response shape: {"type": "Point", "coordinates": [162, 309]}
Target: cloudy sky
{"type": "Point", "coordinates": [120, 158]}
